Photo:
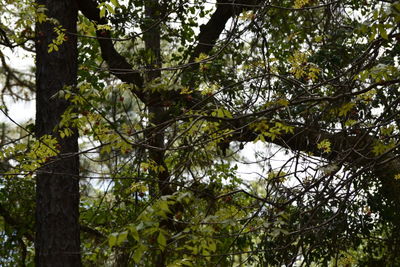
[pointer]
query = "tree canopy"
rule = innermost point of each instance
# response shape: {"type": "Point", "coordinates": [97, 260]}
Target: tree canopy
{"type": "Point", "coordinates": [201, 133]}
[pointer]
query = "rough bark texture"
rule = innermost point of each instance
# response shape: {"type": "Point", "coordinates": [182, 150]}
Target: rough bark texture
{"type": "Point", "coordinates": [156, 137]}
{"type": "Point", "coordinates": [57, 191]}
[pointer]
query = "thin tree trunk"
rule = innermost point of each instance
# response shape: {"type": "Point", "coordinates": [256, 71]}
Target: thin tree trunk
{"type": "Point", "coordinates": [156, 137]}
{"type": "Point", "coordinates": [57, 240]}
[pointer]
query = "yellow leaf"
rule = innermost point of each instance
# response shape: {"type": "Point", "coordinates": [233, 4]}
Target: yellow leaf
{"type": "Point", "coordinates": [325, 146]}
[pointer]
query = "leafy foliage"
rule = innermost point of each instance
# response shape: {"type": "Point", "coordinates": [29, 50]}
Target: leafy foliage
{"type": "Point", "coordinates": [170, 94]}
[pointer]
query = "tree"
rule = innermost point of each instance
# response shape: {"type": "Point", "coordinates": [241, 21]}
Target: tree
{"type": "Point", "coordinates": [57, 241]}
{"type": "Point", "coordinates": [169, 93]}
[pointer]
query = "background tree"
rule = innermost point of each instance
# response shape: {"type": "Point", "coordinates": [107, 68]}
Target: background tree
{"type": "Point", "coordinates": [169, 93]}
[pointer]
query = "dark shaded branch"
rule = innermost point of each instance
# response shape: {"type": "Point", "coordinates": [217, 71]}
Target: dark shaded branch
{"type": "Point", "coordinates": [117, 64]}
{"type": "Point", "coordinates": [14, 78]}
{"type": "Point", "coordinates": [206, 40]}
{"type": "Point", "coordinates": [4, 38]}
{"type": "Point", "coordinates": [210, 32]}
{"type": "Point", "coordinates": [353, 150]}
{"type": "Point", "coordinates": [93, 232]}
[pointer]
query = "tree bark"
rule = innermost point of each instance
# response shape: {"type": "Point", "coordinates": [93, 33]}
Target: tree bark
{"type": "Point", "coordinates": [57, 240]}
{"type": "Point", "coordinates": [156, 136]}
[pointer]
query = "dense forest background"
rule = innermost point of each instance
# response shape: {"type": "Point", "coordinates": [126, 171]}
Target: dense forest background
{"type": "Point", "coordinates": [200, 133]}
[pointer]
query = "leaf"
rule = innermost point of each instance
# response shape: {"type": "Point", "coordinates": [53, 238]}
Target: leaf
{"type": "Point", "coordinates": [162, 241]}
{"type": "Point", "coordinates": [115, 3]}
{"type": "Point", "coordinates": [300, 3]}
{"type": "Point", "coordinates": [137, 255]}
{"type": "Point", "coordinates": [134, 233]}
{"type": "Point", "coordinates": [201, 57]}
{"type": "Point", "coordinates": [112, 240]}
{"type": "Point", "coordinates": [164, 206]}
{"type": "Point", "coordinates": [382, 31]}
{"type": "Point", "coordinates": [117, 239]}
{"type": "Point", "coordinates": [325, 146]}
{"type": "Point", "coordinates": [212, 246]}
{"type": "Point", "coordinates": [220, 113]}
{"type": "Point", "coordinates": [318, 38]}
{"type": "Point", "coordinates": [380, 148]}
{"type": "Point", "coordinates": [102, 12]}
{"type": "Point", "coordinates": [122, 237]}
{"type": "Point", "coordinates": [110, 8]}
{"type": "Point", "coordinates": [349, 123]}
{"type": "Point", "coordinates": [52, 47]}
{"type": "Point", "coordinates": [345, 108]}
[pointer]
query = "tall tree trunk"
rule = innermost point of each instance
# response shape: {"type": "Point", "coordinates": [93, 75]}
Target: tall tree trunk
{"type": "Point", "coordinates": [57, 240]}
{"type": "Point", "coordinates": [155, 136]}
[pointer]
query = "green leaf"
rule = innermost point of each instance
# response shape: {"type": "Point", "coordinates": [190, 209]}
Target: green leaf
{"type": "Point", "coordinates": [102, 12]}
{"type": "Point", "coordinates": [212, 246]}
{"type": "Point", "coordinates": [380, 148]}
{"type": "Point", "coordinates": [115, 3]}
{"type": "Point", "coordinates": [164, 206]}
{"type": "Point", "coordinates": [112, 240]}
{"type": "Point", "coordinates": [117, 239]}
{"type": "Point", "coordinates": [110, 9]}
{"type": "Point", "coordinates": [382, 31]}
{"type": "Point", "coordinates": [121, 237]}
{"type": "Point", "coordinates": [134, 232]}
{"type": "Point", "coordinates": [162, 241]}
{"type": "Point", "coordinates": [137, 255]}
{"type": "Point", "coordinates": [345, 108]}
{"type": "Point", "coordinates": [220, 113]}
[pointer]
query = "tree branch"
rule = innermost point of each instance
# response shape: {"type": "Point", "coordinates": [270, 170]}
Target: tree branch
{"type": "Point", "coordinates": [117, 64]}
{"type": "Point", "coordinates": [354, 150]}
{"type": "Point", "coordinates": [210, 32]}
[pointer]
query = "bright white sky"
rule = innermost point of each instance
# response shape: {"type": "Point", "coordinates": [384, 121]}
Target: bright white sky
{"type": "Point", "coordinates": [20, 111]}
